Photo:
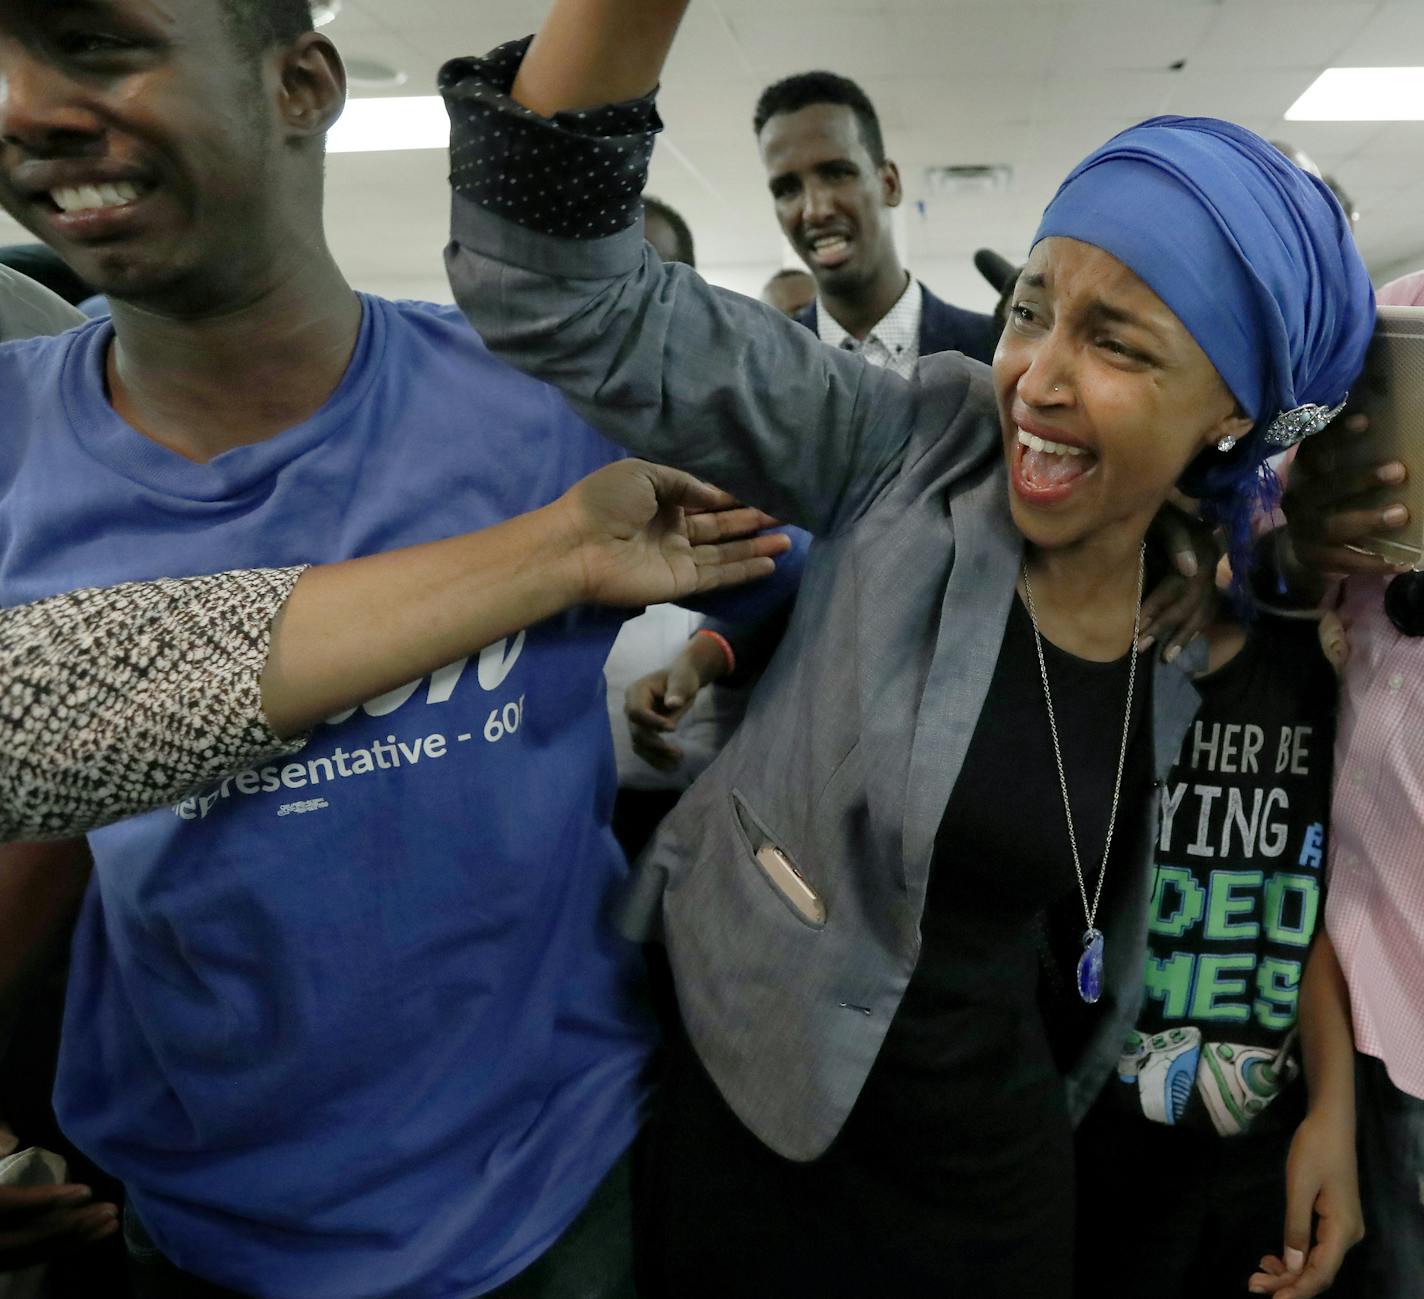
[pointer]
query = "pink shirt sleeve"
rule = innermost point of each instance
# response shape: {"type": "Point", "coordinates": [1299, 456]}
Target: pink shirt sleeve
{"type": "Point", "coordinates": [1407, 291]}
{"type": "Point", "coordinates": [1375, 907]}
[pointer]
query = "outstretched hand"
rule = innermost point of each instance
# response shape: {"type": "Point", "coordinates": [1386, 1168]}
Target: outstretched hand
{"type": "Point", "coordinates": [647, 534]}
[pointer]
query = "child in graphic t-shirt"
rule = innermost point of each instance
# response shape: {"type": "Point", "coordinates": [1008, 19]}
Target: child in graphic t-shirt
{"type": "Point", "coordinates": [1182, 1165]}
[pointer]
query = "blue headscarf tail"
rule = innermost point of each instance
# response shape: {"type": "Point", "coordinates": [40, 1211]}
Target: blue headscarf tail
{"type": "Point", "coordinates": [1256, 259]}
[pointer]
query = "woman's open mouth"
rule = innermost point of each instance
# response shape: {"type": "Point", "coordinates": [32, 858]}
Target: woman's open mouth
{"type": "Point", "coordinates": [1044, 471]}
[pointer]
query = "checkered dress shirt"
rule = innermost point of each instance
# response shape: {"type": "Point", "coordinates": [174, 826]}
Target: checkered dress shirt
{"type": "Point", "coordinates": [1375, 907]}
{"type": "Point", "coordinates": [894, 343]}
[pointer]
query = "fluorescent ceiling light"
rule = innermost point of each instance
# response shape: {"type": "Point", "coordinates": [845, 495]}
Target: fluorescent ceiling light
{"type": "Point", "coordinates": [375, 125]}
{"type": "Point", "coordinates": [1362, 95]}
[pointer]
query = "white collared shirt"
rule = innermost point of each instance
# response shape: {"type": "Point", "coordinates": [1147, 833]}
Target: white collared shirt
{"type": "Point", "coordinates": [894, 342]}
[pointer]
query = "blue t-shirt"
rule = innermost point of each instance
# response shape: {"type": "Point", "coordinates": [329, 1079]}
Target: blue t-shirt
{"type": "Point", "coordinates": [352, 1024]}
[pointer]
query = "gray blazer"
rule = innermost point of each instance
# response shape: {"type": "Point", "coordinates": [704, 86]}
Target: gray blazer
{"type": "Point", "coordinates": [854, 738]}
{"type": "Point", "coordinates": [28, 310]}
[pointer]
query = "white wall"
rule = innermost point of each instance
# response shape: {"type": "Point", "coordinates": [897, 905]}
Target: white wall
{"type": "Point", "coordinates": [1406, 266]}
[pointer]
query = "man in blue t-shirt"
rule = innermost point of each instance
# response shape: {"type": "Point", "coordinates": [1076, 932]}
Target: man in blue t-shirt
{"type": "Point", "coordinates": [349, 1025]}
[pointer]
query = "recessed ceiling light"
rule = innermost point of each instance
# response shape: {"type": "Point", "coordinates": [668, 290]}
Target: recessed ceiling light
{"type": "Point", "coordinates": [1362, 95]}
{"type": "Point", "coordinates": [404, 122]}
{"type": "Point", "coordinates": [323, 11]}
{"type": "Point", "coordinates": [372, 74]}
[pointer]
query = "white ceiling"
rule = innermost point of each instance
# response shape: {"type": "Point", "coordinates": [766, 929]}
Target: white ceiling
{"type": "Point", "coordinates": [1032, 83]}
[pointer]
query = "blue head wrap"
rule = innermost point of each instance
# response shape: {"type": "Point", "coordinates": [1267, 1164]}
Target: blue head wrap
{"type": "Point", "coordinates": [1253, 255]}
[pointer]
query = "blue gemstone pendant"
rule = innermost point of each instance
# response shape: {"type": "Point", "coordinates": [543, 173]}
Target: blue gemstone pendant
{"type": "Point", "coordinates": [1090, 967]}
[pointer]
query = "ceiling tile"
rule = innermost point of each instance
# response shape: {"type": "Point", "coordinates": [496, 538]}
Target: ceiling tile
{"type": "Point", "coordinates": [1131, 36]}
{"type": "Point", "coordinates": [1393, 36]}
{"type": "Point", "coordinates": [951, 42]}
{"type": "Point", "coordinates": [1251, 35]}
{"type": "Point", "coordinates": [1134, 95]}
{"type": "Point", "coordinates": [1213, 92]}
{"type": "Point", "coordinates": [779, 42]}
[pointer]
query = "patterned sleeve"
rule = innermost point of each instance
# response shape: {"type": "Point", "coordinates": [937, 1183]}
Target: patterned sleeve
{"type": "Point", "coordinates": [117, 701]}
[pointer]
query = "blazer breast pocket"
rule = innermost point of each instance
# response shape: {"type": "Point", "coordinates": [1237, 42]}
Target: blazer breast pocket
{"type": "Point", "coordinates": [777, 866]}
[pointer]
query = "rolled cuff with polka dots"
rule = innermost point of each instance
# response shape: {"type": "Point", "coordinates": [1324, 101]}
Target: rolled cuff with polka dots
{"type": "Point", "coordinates": [576, 175]}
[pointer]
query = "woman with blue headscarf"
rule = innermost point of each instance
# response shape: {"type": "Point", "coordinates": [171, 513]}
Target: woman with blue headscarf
{"type": "Point", "coordinates": [950, 764]}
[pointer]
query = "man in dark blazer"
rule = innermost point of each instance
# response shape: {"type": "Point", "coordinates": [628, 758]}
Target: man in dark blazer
{"type": "Point", "coordinates": [833, 189]}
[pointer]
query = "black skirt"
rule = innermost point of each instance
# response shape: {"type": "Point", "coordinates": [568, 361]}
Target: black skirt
{"type": "Point", "coordinates": [723, 1216]}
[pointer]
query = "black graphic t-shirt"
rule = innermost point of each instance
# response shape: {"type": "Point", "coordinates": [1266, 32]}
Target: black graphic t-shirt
{"type": "Point", "coordinates": [1239, 890]}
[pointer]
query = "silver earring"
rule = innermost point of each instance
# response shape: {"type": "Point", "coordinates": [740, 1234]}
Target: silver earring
{"type": "Point", "coordinates": [1226, 443]}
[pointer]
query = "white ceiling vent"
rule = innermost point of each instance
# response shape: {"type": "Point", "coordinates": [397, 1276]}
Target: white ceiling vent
{"type": "Point", "coordinates": [968, 178]}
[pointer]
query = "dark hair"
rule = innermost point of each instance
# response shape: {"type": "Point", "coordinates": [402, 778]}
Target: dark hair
{"type": "Point", "coordinates": [260, 24]}
{"type": "Point", "coordinates": [682, 235]}
{"type": "Point", "coordinates": [807, 88]}
{"type": "Point", "coordinates": [787, 271]}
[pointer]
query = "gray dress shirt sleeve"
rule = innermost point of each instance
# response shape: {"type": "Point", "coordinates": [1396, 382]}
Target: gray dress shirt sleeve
{"type": "Point", "coordinates": [682, 373]}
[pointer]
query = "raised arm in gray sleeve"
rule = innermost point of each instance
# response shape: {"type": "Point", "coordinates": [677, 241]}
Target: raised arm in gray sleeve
{"type": "Point", "coordinates": [548, 262]}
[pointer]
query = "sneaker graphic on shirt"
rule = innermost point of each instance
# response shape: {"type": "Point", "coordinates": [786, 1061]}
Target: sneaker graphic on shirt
{"type": "Point", "coordinates": [1238, 1082]}
{"type": "Point", "coordinates": [1134, 1051]}
{"type": "Point", "coordinates": [1167, 1074]}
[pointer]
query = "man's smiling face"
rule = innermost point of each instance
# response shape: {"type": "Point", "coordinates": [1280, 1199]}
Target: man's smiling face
{"type": "Point", "coordinates": [140, 141]}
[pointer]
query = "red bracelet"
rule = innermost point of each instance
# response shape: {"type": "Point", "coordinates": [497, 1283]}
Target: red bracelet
{"type": "Point", "coordinates": [724, 644]}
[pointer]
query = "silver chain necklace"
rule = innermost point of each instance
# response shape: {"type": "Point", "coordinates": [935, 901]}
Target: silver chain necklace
{"type": "Point", "coordinates": [1090, 964]}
